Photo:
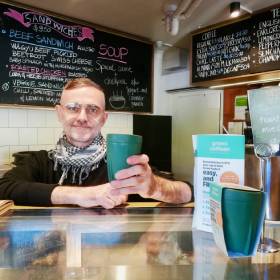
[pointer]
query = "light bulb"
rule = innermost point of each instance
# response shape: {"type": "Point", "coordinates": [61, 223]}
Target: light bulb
{"type": "Point", "coordinates": [234, 9]}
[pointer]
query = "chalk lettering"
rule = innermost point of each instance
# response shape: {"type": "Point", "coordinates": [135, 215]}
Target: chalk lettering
{"type": "Point", "coordinates": [113, 53]}
{"type": "Point", "coordinates": [101, 67]}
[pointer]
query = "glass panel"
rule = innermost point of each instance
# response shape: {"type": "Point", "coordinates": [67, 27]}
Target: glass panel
{"type": "Point", "coordinates": [135, 243]}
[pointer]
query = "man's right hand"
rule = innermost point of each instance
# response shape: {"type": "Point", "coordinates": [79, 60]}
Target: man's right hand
{"type": "Point", "coordinates": [87, 196]}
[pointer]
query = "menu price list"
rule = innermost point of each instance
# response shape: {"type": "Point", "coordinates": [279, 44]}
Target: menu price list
{"type": "Point", "coordinates": [266, 41]}
{"type": "Point", "coordinates": [40, 54]}
{"type": "Point", "coordinates": [221, 52]}
{"type": "Point", "coordinates": [244, 47]}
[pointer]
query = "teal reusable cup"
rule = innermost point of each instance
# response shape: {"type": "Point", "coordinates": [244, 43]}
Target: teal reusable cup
{"type": "Point", "coordinates": [119, 148]}
{"type": "Point", "coordinates": [242, 214]}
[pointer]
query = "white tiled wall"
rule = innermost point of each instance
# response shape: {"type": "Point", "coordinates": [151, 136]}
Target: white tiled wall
{"type": "Point", "coordinates": [36, 129]}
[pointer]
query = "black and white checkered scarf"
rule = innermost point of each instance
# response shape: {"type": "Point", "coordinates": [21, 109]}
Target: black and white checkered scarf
{"type": "Point", "coordinates": [78, 161]}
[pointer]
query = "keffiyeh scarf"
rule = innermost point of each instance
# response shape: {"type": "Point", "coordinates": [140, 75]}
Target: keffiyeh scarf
{"type": "Point", "coordinates": [78, 161]}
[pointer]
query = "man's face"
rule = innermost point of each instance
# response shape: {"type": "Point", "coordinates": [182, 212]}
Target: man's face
{"type": "Point", "coordinates": [81, 112]}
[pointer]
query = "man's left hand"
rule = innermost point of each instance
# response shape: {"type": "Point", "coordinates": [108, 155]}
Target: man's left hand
{"type": "Point", "coordinates": [137, 179]}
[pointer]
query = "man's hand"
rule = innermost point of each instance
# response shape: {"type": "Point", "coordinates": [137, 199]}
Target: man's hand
{"type": "Point", "coordinates": [139, 179]}
{"type": "Point", "coordinates": [99, 196]}
{"type": "Point", "coordinates": [87, 196]}
{"type": "Point", "coordinates": [136, 179]}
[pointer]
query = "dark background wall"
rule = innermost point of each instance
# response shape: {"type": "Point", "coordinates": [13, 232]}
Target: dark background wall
{"type": "Point", "coordinates": [156, 132]}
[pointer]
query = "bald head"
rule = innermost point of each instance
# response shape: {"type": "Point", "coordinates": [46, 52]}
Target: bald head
{"type": "Point", "coordinates": [85, 87]}
{"type": "Point", "coordinates": [82, 82]}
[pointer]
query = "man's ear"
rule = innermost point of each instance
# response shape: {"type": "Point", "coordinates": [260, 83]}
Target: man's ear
{"type": "Point", "coordinates": [59, 112]}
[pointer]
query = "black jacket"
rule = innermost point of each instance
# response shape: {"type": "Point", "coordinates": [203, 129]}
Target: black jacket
{"type": "Point", "coordinates": [33, 179]}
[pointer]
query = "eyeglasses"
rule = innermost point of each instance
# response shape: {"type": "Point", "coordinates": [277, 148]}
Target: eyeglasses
{"type": "Point", "coordinates": [76, 108]}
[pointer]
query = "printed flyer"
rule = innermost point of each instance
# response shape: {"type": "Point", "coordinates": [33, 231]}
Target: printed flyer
{"type": "Point", "coordinates": [219, 158]}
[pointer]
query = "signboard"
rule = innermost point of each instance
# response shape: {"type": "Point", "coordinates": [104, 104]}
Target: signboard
{"type": "Point", "coordinates": [221, 52]}
{"type": "Point", "coordinates": [40, 53]}
{"type": "Point", "coordinates": [245, 47]}
{"type": "Point", "coordinates": [264, 105]}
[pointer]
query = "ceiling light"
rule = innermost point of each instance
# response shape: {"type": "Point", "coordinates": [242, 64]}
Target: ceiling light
{"type": "Point", "coordinates": [234, 9]}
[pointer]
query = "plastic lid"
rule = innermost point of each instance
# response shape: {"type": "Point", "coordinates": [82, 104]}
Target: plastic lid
{"type": "Point", "coordinates": [241, 195]}
{"type": "Point", "coordinates": [124, 138]}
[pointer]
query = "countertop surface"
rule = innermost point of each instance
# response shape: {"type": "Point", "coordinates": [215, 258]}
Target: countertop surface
{"type": "Point", "coordinates": [137, 242]}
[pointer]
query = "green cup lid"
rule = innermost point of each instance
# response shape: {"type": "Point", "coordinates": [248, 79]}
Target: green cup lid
{"type": "Point", "coordinates": [124, 138]}
{"type": "Point", "coordinates": [241, 195]}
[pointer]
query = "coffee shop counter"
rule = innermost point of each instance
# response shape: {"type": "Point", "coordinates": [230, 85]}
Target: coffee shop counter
{"type": "Point", "coordinates": [141, 241]}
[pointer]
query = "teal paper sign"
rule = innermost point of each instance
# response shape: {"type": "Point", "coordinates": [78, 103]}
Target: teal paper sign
{"type": "Point", "coordinates": [220, 146]}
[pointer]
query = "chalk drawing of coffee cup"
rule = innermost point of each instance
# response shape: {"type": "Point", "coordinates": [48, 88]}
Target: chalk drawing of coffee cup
{"type": "Point", "coordinates": [117, 101]}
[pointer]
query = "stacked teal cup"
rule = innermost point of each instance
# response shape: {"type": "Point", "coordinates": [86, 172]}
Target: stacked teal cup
{"type": "Point", "coordinates": [242, 214]}
{"type": "Point", "coordinates": [119, 148]}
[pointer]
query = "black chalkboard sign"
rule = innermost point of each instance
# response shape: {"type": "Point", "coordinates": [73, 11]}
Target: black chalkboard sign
{"type": "Point", "coordinates": [265, 51]}
{"type": "Point", "coordinates": [245, 47]}
{"type": "Point", "coordinates": [40, 53]}
{"type": "Point", "coordinates": [221, 52]}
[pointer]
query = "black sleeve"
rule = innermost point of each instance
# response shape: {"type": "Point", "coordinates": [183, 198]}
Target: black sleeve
{"type": "Point", "coordinates": [22, 183]}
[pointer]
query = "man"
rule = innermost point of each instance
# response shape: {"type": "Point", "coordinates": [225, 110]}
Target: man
{"type": "Point", "coordinates": [76, 172]}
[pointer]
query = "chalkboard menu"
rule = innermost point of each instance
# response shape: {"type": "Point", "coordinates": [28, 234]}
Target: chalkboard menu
{"type": "Point", "coordinates": [244, 47]}
{"type": "Point", "coordinates": [221, 52]}
{"type": "Point", "coordinates": [266, 41]}
{"type": "Point", "coordinates": [40, 53]}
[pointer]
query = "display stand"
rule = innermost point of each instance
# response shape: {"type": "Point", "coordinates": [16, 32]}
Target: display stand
{"type": "Point", "coordinates": [264, 153]}
{"type": "Point", "coordinates": [265, 114]}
